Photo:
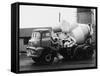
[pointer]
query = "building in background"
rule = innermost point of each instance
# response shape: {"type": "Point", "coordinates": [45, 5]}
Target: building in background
{"type": "Point", "coordinates": [25, 35]}
{"type": "Point", "coordinates": [87, 16]}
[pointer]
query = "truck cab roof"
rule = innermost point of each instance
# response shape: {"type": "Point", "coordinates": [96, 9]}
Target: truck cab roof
{"type": "Point", "coordinates": [41, 30]}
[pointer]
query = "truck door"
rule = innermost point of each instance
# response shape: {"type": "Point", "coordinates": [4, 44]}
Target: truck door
{"type": "Point", "coordinates": [46, 39]}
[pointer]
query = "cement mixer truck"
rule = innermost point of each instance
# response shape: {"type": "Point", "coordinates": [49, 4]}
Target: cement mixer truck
{"type": "Point", "coordinates": [78, 42]}
{"type": "Point", "coordinates": [46, 43]}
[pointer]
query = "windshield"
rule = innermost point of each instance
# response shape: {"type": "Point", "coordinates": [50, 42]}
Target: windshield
{"type": "Point", "coordinates": [36, 35]}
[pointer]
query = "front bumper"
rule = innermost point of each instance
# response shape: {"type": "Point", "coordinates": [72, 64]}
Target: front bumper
{"type": "Point", "coordinates": [34, 51]}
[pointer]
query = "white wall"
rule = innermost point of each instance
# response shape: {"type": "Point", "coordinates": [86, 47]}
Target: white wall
{"type": "Point", "coordinates": [37, 16]}
{"type": "Point", "coordinates": [40, 16]}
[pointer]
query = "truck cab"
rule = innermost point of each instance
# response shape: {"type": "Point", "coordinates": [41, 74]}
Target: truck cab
{"type": "Point", "coordinates": [39, 46]}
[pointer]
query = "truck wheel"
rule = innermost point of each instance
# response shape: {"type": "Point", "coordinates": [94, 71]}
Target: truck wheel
{"type": "Point", "coordinates": [79, 53]}
{"type": "Point", "coordinates": [88, 52]}
{"type": "Point", "coordinates": [85, 52]}
{"type": "Point", "coordinates": [47, 58]}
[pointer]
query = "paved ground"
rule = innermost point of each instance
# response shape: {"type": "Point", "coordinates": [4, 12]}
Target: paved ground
{"type": "Point", "coordinates": [27, 64]}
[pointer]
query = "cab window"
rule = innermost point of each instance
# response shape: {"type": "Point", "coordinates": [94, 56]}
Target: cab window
{"type": "Point", "coordinates": [46, 35]}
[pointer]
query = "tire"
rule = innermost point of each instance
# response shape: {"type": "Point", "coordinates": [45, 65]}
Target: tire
{"type": "Point", "coordinates": [88, 52]}
{"type": "Point", "coordinates": [47, 58]}
{"type": "Point", "coordinates": [85, 52]}
{"type": "Point", "coordinates": [79, 53]}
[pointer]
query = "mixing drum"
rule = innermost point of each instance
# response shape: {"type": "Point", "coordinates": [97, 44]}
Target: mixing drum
{"type": "Point", "coordinates": [80, 33]}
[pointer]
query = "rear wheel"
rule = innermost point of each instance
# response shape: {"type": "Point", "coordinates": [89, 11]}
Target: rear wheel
{"type": "Point", "coordinates": [88, 52]}
{"type": "Point", "coordinates": [79, 53]}
{"type": "Point", "coordinates": [85, 52]}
